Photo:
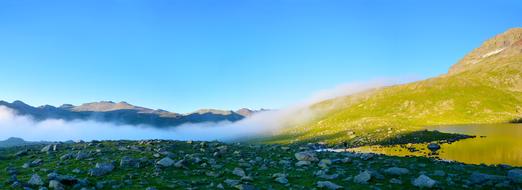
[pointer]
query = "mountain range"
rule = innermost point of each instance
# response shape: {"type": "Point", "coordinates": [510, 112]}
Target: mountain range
{"type": "Point", "coordinates": [483, 87]}
{"type": "Point", "coordinates": [14, 141]}
{"type": "Point", "coordinates": [125, 113]}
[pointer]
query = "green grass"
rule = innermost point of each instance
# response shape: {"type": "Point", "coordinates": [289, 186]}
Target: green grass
{"type": "Point", "coordinates": [194, 177]}
{"type": "Point", "coordinates": [490, 92]}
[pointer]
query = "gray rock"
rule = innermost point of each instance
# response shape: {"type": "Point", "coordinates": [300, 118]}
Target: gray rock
{"type": "Point", "coordinates": [395, 181]}
{"type": "Point", "coordinates": [324, 163]}
{"type": "Point", "coordinates": [480, 178]}
{"type": "Point", "coordinates": [81, 155]}
{"type": "Point", "coordinates": [424, 181]}
{"type": "Point", "coordinates": [36, 162]}
{"type": "Point", "coordinates": [47, 148]}
{"type": "Point", "coordinates": [180, 164]}
{"type": "Point", "coordinates": [306, 156]}
{"type": "Point", "coordinates": [231, 182]}
{"type": "Point", "coordinates": [56, 185]}
{"type": "Point", "coordinates": [21, 153]}
{"type": "Point", "coordinates": [239, 172]}
{"type": "Point", "coordinates": [366, 157]}
{"type": "Point", "coordinates": [281, 180]}
{"type": "Point", "coordinates": [101, 169]}
{"type": "Point", "coordinates": [166, 162]}
{"type": "Point", "coordinates": [328, 185]}
{"type": "Point", "coordinates": [515, 175]}
{"type": "Point", "coordinates": [66, 156]}
{"type": "Point", "coordinates": [302, 163]}
{"type": "Point", "coordinates": [35, 180]}
{"type": "Point", "coordinates": [127, 162]}
{"type": "Point", "coordinates": [433, 147]}
{"type": "Point", "coordinates": [396, 171]}
{"type": "Point", "coordinates": [362, 178]}
{"type": "Point", "coordinates": [245, 187]}
{"type": "Point", "coordinates": [323, 174]}
{"type": "Point", "coordinates": [439, 173]}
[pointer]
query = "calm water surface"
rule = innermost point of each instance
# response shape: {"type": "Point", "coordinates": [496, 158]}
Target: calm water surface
{"type": "Point", "coordinates": [495, 144]}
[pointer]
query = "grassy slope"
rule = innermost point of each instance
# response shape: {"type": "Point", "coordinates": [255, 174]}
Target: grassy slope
{"type": "Point", "coordinates": [487, 92]}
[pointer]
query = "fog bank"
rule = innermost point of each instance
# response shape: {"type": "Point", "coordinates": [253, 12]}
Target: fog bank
{"type": "Point", "coordinates": [262, 123]}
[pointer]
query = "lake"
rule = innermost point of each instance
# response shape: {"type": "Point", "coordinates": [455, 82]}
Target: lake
{"type": "Point", "coordinates": [494, 144]}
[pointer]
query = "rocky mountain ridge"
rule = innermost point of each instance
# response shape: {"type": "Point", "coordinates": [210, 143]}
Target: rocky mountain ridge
{"type": "Point", "coordinates": [124, 113]}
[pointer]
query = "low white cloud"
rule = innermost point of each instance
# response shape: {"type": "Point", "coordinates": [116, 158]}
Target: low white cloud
{"type": "Point", "coordinates": [262, 123]}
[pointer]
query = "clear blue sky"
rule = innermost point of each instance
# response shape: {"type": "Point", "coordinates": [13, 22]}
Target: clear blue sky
{"type": "Point", "coordinates": [182, 55]}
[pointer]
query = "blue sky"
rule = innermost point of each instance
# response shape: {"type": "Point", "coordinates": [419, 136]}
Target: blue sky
{"type": "Point", "coordinates": [182, 55]}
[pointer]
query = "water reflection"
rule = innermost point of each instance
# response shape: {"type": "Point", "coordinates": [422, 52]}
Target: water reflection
{"type": "Point", "coordinates": [495, 144]}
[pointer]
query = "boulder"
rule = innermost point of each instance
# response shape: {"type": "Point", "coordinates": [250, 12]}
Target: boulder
{"type": "Point", "coordinates": [302, 163]}
{"type": "Point", "coordinates": [424, 181]}
{"type": "Point", "coordinates": [56, 185]}
{"type": "Point", "coordinates": [362, 178]}
{"type": "Point", "coordinates": [480, 178]}
{"type": "Point", "coordinates": [127, 162]}
{"type": "Point", "coordinates": [324, 163]}
{"type": "Point", "coordinates": [328, 185]}
{"type": "Point", "coordinates": [396, 171]}
{"type": "Point", "coordinates": [515, 175]}
{"type": "Point", "coordinates": [306, 156]}
{"type": "Point", "coordinates": [433, 147]}
{"type": "Point", "coordinates": [35, 180]}
{"type": "Point", "coordinates": [101, 169]}
{"type": "Point", "coordinates": [239, 172]}
{"type": "Point", "coordinates": [165, 162]}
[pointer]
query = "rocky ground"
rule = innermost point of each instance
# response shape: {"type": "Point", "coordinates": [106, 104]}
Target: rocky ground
{"type": "Point", "coordinates": [157, 164]}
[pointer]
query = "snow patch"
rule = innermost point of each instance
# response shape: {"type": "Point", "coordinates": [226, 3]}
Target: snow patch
{"type": "Point", "coordinates": [494, 52]}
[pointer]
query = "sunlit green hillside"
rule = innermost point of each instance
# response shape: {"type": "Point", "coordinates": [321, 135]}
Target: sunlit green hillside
{"type": "Point", "coordinates": [484, 87]}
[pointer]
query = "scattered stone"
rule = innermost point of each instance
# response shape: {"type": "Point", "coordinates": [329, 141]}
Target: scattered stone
{"type": "Point", "coordinates": [101, 169]}
{"type": "Point", "coordinates": [239, 172]}
{"type": "Point", "coordinates": [47, 148]}
{"type": "Point", "coordinates": [281, 180]}
{"type": "Point", "coordinates": [128, 162]}
{"type": "Point", "coordinates": [424, 181]}
{"type": "Point", "coordinates": [245, 187]}
{"type": "Point", "coordinates": [396, 171]}
{"type": "Point", "coordinates": [362, 178]}
{"type": "Point", "coordinates": [480, 178]}
{"type": "Point", "coordinates": [231, 182]}
{"type": "Point", "coordinates": [81, 155]}
{"type": "Point", "coordinates": [36, 162]}
{"type": "Point", "coordinates": [303, 163]}
{"type": "Point", "coordinates": [21, 153]}
{"type": "Point", "coordinates": [165, 162]}
{"type": "Point", "coordinates": [306, 156]}
{"type": "Point", "coordinates": [324, 163]}
{"type": "Point", "coordinates": [66, 156]}
{"type": "Point", "coordinates": [433, 147]}
{"type": "Point", "coordinates": [439, 173]}
{"type": "Point", "coordinates": [395, 181]}
{"type": "Point", "coordinates": [56, 185]}
{"type": "Point", "coordinates": [35, 180]}
{"type": "Point", "coordinates": [180, 164]}
{"type": "Point", "coordinates": [515, 175]}
{"type": "Point", "coordinates": [328, 185]}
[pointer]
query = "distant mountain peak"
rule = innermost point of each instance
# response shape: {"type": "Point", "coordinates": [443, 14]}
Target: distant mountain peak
{"type": "Point", "coordinates": [245, 112]}
{"type": "Point", "coordinates": [123, 113]}
{"type": "Point", "coordinates": [103, 106]}
{"type": "Point", "coordinates": [213, 111]}
{"type": "Point", "coordinates": [503, 45]}
{"type": "Point", "coordinates": [18, 102]}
